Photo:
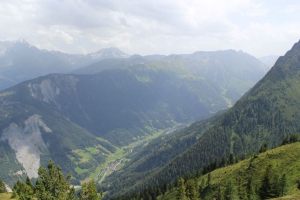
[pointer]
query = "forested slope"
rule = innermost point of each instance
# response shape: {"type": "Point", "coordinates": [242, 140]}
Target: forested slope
{"type": "Point", "coordinates": [265, 114]}
{"type": "Point", "coordinates": [158, 152]}
{"type": "Point", "coordinates": [267, 174]}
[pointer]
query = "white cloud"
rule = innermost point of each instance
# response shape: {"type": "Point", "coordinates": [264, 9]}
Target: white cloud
{"type": "Point", "coordinates": [291, 9]}
{"type": "Point", "coordinates": [156, 26]}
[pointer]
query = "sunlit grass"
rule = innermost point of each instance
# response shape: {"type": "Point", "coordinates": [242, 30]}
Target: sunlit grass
{"type": "Point", "coordinates": [92, 150]}
{"type": "Point", "coordinates": [80, 171]}
{"type": "Point", "coordinates": [5, 196]}
{"type": "Point", "coordinates": [284, 160]}
{"type": "Point", "coordinates": [87, 153]}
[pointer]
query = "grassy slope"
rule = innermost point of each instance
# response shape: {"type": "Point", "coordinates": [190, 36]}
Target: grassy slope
{"type": "Point", "coordinates": [284, 160]}
{"type": "Point", "coordinates": [266, 113]}
{"type": "Point", "coordinates": [5, 196]}
{"type": "Point", "coordinates": [111, 156]}
{"type": "Point", "coordinates": [155, 154]}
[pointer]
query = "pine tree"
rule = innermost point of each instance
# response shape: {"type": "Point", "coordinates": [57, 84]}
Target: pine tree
{"type": "Point", "coordinates": [231, 159]}
{"type": "Point", "coordinates": [89, 191]}
{"type": "Point", "coordinates": [208, 179]}
{"type": "Point", "coordinates": [53, 185]}
{"type": "Point", "coordinates": [191, 191]}
{"type": "Point", "coordinates": [2, 187]}
{"type": "Point", "coordinates": [251, 194]}
{"type": "Point", "coordinates": [230, 191]}
{"type": "Point", "coordinates": [294, 138]}
{"type": "Point", "coordinates": [285, 139]}
{"type": "Point", "coordinates": [282, 185]}
{"type": "Point", "coordinates": [264, 147]}
{"type": "Point", "coordinates": [29, 183]}
{"type": "Point", "coordinates": [180, 190]}
{"type": "Point", "coordinates": [219, 194]}
{"type": "Point", "coordinates": [223, 162]}
{"type": "Point", "coordinates": [202, 186]}
{"type": "Point", "coordinates": [22, 191]}
{"type": "Point", "coordinates": [265, 191]}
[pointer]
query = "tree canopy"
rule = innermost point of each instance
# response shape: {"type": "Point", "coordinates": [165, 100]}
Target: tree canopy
{"type": "Point", "coordinates": [52, 185]}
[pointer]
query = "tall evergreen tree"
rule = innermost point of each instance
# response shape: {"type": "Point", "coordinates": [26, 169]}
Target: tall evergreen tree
{"type": "Point", "coordinates": [231, 159]}
{"type": "Point", "coordinates": [202, 186]}
{"type": "Point", "coordinates": [29, 183]}
{"type": "Point", "coordinates": [294, 138]}
{"type": "Point", "coordinates": [282, 185]}
{"type": "Point", "coordinates": [264, 147]}
{"type": "Point", "coordinates": [53, 185]}
{"type": "Point", "coordinates": [22, 191]}
{"type": "Point", "coordinates": [251, 194]}
{"type": "Point", "coordinates": [208, 179]}
{"type": "Point", "coordinates": [89, 191]}
{"type": "Point", "coordinates": [230, 191]}
{"type": "Point", "coordinates": [2, 187]}
{"type": "Point", "coordinates": [266, 190]}
{"type": "Point", "coordinates": [180, 190]}
{"type": "Point", "coordinates": [191, 191]}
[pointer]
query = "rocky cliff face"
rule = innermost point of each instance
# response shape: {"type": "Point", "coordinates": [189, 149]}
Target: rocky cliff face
{"type": "Point", "coordinates": [27, 143]}
{"type": "Point", "coordinates": [48, 90]}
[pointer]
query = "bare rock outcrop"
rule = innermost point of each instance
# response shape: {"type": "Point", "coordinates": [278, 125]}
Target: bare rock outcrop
{"type": "Point", "coordinates": [27, 143]}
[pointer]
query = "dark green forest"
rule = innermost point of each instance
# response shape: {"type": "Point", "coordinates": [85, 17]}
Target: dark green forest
{"type": "Point", "coordinates": [253, 177]}
{"type": "Point", "coordinates": [268, 112]}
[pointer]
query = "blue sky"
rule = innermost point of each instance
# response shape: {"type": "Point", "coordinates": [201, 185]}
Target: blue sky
{"type": "Point", "coordinates": [148, 27]}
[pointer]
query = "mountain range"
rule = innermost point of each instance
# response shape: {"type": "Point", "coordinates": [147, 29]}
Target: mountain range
{"type": "Point", "coordinates": [267, 113]}
{"type": "Point", "coordinates": [20, 61]}
{"type": "Point", "coordinates": [83, 119]}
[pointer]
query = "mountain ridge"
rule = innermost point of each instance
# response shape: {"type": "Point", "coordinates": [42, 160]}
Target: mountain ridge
{"type": "Point", "coordinates": [20, 61]}
{"type": "Point", "coordinates": [266, 113]}
{"type": "Point", "coordinates": [119, 104]}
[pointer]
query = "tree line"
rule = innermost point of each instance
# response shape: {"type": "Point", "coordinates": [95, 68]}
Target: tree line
{"type": "Point", "coordinates": [52, 185]}
{"type": "Point", "coordinates": [187, 187]}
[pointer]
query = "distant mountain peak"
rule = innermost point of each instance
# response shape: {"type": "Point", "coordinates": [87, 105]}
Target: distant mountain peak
{"type": "Point", "coordinates": [111, 52]}
{"type": "Point", "coordinates": [296, 46]}
{"type": "Point", "coordinates": [22, 40]}
{"type": "Point", "coordinates": [269, 60]}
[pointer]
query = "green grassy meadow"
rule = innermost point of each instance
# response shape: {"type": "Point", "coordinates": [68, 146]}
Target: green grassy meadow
{"type": "Point", "coordinates": [284, 160]}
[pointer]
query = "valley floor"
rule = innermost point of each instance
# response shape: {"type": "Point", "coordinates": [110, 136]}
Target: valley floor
{"type": "Point", "coordinates": [117, 159]}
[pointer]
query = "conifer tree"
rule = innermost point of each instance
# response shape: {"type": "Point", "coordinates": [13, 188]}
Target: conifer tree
{"type": "Point", "coordinates": [89, 191]}
{"type": "Point", "coordinates": [264, 147]}
{"type": "Point", "coordinates": [219, 194]}
{"type": "Point", "coordinates": [29, 183]}
{"type": "Point", "coordinates": [191, 191]}
{"type": "Point", "coordinates": [202, 186]}
{"type": "Point", "coordinates": [230, 191]}
{"type": "Point", "coordinates": [266, 190]}
{"type": "Point", "coordinates": [22, 191]}
{"type": "Point", "coordinates": [231, 159]}
{"type": "Point", "coordinates": [282, 185]}
{"type": "Point", "coordinates": [208, 179]}
{"type": "Point", "coordinates": [53, 185]}
{"type": "Point", "coordinates": [294, 138]}
{"type": "Point", "coordinates": [2, 187]}
{"type": "Point", "coordinates": [223, 162]}
{"type": "Point", "coordinates": [180, 190]}
{"type": "Point", "coordinates": [251, 194]}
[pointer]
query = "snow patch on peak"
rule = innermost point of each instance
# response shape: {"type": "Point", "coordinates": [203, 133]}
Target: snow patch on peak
{"type": "Point", "coordinates": [27, 143]}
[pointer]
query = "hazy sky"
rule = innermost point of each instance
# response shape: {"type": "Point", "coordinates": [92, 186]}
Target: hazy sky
{"type": "Point", "coordinates": [153, 26]}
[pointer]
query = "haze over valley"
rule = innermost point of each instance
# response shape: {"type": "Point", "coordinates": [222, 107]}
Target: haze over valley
{"type": "Point", "coordinates": [118, 101]}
